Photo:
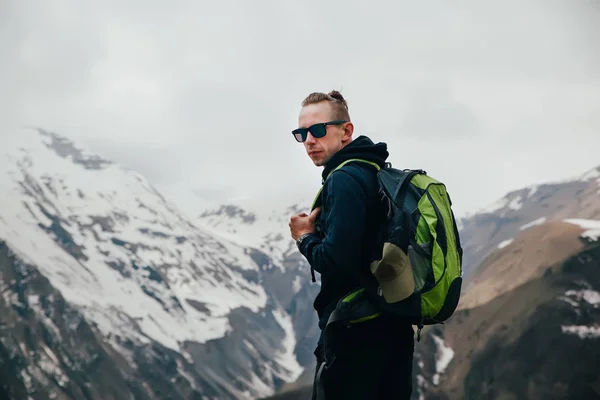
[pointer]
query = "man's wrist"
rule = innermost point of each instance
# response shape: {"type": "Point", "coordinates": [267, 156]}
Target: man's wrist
{"type": "Point", "coordinates": [301, 239]}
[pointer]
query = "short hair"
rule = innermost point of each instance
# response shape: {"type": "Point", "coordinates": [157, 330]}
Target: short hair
{"type": "Point", "coordinates": [338, 104]}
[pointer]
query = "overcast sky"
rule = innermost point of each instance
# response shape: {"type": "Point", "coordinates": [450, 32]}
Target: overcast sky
{"type": "Point", "coordinates": [486, 96]}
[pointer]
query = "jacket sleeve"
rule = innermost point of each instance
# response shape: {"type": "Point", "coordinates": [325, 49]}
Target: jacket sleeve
{"type": "Point", "coordinates": [340, 251]}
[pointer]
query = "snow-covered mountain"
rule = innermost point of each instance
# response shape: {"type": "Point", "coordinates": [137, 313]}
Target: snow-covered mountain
{"type": "Point", "coordinates": [539, 193]}
{"type": "Point", "coordinates": [140, 274]}
{"type": "Point", "coordinates": [262, 224]}
{"type": "Point", "coordinates": [257, 224]}
{"type": "Point", "coordinates": [496, 225]}
{"type": "Point", "coordinates": [517, 241]}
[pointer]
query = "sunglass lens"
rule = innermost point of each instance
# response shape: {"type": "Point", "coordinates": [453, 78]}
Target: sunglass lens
{"type": "Point", "coordinates": [300, 134]}
{"type": "Point", "coordinates": [318, 130]}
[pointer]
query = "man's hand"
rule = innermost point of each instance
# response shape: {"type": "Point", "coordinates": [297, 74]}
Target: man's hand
{"type": "Point", "coordinates": [303, 223]}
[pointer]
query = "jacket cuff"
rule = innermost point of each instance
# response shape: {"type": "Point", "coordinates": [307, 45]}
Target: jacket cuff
{"type": "Point", "coordinates": [307, 244]}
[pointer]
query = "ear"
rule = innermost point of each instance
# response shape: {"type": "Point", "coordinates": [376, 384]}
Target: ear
{"type": "Point", "coordinates": [348, 131]}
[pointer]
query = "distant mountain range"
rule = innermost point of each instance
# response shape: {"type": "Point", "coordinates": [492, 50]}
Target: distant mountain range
{"type": "Point", "coordinates": [530, 309]}
{"type": "Point", "coordinates": [498, 224]}
{"type": "Point", "coordinates": [111, 291]}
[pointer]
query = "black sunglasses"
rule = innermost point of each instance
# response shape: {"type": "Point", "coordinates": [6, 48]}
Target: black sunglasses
{"type": "Point", "coordinates": [317, 130]}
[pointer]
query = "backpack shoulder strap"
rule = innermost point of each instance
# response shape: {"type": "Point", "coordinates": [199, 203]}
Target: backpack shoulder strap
{"type": "Point", "coordinates": [317, 200]}
{"type": "Point", "coordinates": [374, 164]}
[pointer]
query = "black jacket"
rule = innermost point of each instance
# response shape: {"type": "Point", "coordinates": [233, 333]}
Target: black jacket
{"type": "Point", "coordinates": [348, 236]}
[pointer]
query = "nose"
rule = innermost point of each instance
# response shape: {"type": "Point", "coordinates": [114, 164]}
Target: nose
{"type": "Point", "coordinates": [310, 139]}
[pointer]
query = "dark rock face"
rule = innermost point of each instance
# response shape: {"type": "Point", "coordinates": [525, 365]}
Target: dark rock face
{"type": "Point", "coordinates": [556, 353]}
{"type": "Point", "coordinates": [48, 350]}
{"type": "Point", "coordinates": [542, 340]}
{"type": "Point", "coordinates": [233, 212]}
{"type": "Point", "coordinates": [65, 148]}
{"type": "Point", "coordinates": [305, 324]}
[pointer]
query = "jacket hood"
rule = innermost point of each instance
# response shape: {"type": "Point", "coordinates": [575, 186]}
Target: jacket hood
{"type": "Point", "coordinates": [361, 147]}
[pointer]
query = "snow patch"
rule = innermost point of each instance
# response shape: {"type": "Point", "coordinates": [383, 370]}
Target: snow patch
{"type": "Point", "coordinates": [505, 243]}
{"type": "Point", "coordinates": [583, 331]}
{"type": "Point", "coordinates": [569, 300]}
{"type": "Point", "coordinates": [50, 365]}
{"type": "Point", "coordinates": [444, 355]}
{"type": "Point", "coordinates": [591, 174]}
{"type": "Point", "coordinates": [515, 203]}
{"type": "Point", "coordinates": [539, 221]}
{"type": "Point", "coordinates": [181, 370]}
{"type": "Point", "coordinates": [532, 191]}
{"type": "Point", "coordinates": [260, 389]}
{"type": "Point", "coordinates": [591, 297]}
{"type": "Point", "coordinates": [287, 357]}
{"type": "Point", "coordinates": [498, 205]}
{"type": "Point", "coordinates": [575, 297]}
{"type": "Point", "coordinates": [297, 284]}
{"type": "Point", "coordinates": [268, 232]}
{"type": "Point", "coordinates": [422, 386]}
{"type": "Point", "coordinates": [591, 227]}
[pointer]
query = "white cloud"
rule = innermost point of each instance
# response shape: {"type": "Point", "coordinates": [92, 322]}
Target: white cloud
{"type": "Point", "coordinates": [205, 95]}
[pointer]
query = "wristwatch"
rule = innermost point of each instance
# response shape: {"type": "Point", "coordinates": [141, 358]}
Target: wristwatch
{"type": "Point", "coordinates": [301, 239]}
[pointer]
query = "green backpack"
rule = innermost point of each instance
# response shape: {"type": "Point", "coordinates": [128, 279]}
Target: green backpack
{"type": "Point", "coordinates": [422, 285]}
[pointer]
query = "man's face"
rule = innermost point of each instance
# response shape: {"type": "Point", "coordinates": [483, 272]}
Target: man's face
{"type": "Point", "coordinates": [320, 150]}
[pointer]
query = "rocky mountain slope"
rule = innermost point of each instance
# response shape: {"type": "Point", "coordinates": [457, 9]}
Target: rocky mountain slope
{"type": "Point", "coordinates": [541, 339]}
{"type": "Point", "coordinates": [528, 238]}
{"type": "Point", "coordinates": [256, 224]}
{"type": "Point", "coordinates": [263, 225]}
{"type": "Point", "coordinates": [525, 258]}
{"type": "Point", "coordinates": [538, 339]}
{"type": "Point", "coordinates": [108, 291]}
{"type": "Point", "coordinates": [497, 224]}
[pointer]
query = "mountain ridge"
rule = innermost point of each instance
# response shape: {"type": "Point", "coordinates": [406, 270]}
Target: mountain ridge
{"type": "Point", "coordinates": [143, 275]}
{"type": "Point", "coordinates": [185, 305]}
{"type": "Point", "coordinates": [562, 217]}
{"type": "Point", "coordinates": [522, 342]}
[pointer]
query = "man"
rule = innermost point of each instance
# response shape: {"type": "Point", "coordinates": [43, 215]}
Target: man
{"type": "Point", "coordinates": [371, 359]}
